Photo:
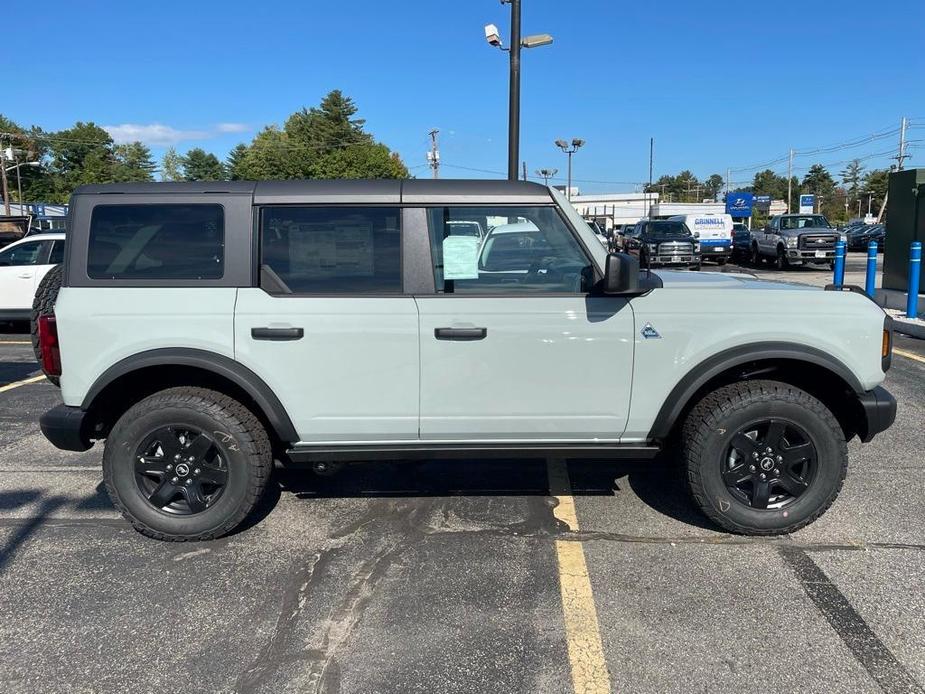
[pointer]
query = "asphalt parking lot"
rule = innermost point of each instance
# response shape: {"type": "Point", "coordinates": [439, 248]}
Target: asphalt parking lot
{"type": "Point", "coordinates": [448, 576]}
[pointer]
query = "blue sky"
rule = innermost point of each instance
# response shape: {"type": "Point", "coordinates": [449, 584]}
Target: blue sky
{"type": "Point", "coordinates": [716, 84]}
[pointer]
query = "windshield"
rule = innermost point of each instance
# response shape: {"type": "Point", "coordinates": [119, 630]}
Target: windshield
{"type": "Point", "coordinates": [666, 229]}
{"type": "Point", "coordinates": [809, 221]}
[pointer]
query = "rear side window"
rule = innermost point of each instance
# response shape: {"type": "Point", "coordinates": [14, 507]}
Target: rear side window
{"type": "Point", "coordinates": [57, 253]}
{"type": "Point", "coordinates": [333, 250]}
{"type": "Point", "coordinates": [156, 242]}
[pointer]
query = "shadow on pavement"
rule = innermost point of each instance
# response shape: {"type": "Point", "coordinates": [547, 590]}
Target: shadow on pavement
{"type": "Point", "coordinates": [657, 483]}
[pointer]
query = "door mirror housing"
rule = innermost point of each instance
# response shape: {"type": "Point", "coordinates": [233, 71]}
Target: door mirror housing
{"type": "Point", "coordinates": [621, 274]}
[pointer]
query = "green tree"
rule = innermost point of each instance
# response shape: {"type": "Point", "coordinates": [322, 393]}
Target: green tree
{"type": "Point", "coordinates": [769, 183]}
{"type": "Point", "coordinates": [327, 141]}
{"type": "Point", "coordinates": [171, 166]}
{"type": "Point", "coordinates": [81, 154]}
{"type": "Point", "coordinates": [35, 180]}
{"type": "Point", "coordinates": [875, 182]}
{"type": "Point", "coordinates": [819, 182]}
{"type": "Point", "coordinates": [713, 185]}
{"type": "Point", "coordinates": [681, 188]}
{"type": "Point", "coordinates": [234, 164]}
{"type": "Point", "coordinates": [851, 176]}
{"type": "Point", "coordinates": [133, 162]}
{"type": "Point", "coordinates": [199, 165]}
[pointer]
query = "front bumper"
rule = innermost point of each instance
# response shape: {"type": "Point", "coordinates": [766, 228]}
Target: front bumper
{"type": "Point", "coordinates": [810, 256]}
{"type": "Point", "coordinates": [879, 408]}
{"type": "Point", "coordinates": [67, 428]}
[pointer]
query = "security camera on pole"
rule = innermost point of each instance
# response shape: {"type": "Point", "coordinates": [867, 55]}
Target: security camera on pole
{"type": "Point", "coordinates": [493, 36]}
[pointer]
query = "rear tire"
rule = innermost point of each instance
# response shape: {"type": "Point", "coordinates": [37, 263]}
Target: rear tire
{"type": "Point", "coordinates": [187, 464]}
{"type": "Point", "coordinates": [803, 472]}
{"type": "Point", "coordinates": [43, 304]}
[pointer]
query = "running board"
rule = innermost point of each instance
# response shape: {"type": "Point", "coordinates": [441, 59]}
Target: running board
{"type": "Point", "coordinates": [352, 453]}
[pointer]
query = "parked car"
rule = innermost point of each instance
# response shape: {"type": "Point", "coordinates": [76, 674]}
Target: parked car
{"type": "Point", "coordinates": [459, 227]}
{"type": "Point", "coordinates": [793, 239]}
{"type": "Point", "coordinates": [23, 264]}
{"type": "Point", "coordinates": [352, 324]}
{"type": "Point", "coordinates": [712, 231]}
{"type": "Point", "coordinates": [741, 243]}
{"type": "Point", "coordinates": [860, 237]}
{"type": "Point", "coordinates": [617, 241]}
{"type": "Point", "coordinates": [659, 243]}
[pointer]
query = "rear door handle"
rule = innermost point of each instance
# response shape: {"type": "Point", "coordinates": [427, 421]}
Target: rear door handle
{"type": "Point", "coordinates": [460, 333]}
{"type": "Point", "coordinates": [277, 334]}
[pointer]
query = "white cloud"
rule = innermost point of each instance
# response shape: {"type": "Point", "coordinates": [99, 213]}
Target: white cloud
{"type": "Point", "coordinates": [232, 127]}
{"type": "Point", "coordinates": [159, 134]}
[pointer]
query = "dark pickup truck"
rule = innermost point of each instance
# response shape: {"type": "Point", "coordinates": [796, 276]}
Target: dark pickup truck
{"type": "Point", "coordinates": [660, 243]}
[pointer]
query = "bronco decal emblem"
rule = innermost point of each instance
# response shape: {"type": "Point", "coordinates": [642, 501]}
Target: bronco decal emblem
{"type": "Point", "coordinates": [649, 332]}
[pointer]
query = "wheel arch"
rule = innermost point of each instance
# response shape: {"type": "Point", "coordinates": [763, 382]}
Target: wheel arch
{"type": "Point", "coordinates": [817, 372]}
{"type": "Point", "coordinates": [135, 377]}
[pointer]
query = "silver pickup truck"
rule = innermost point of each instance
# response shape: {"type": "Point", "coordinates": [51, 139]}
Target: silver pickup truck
{"type": "Point", "coordinates": [208, 332]}
{"type": "Point", "coordinates": [795, 239]}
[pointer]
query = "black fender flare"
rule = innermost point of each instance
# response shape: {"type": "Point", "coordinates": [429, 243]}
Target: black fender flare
{"type": "Point", "coordinates": [713, 366]}
{"type": "Point", "coordinates": [217, 364]}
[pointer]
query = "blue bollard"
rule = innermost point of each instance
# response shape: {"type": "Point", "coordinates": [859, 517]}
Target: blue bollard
{"type": "Point", "coordinates": [915, 265]}
{"type": "Point", "coordinates": [871, 285]}
{"type": "Point", "coordinates": [839, 263]}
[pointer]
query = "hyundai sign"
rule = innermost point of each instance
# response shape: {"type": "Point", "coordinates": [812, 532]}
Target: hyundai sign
{"type": "Point", "coordinates": [739, 204]}
{"type": "Point", "coordinates": [807, 204]}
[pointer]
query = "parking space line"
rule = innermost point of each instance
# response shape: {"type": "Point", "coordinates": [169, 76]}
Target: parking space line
{"type": "Point", "coordinates": [24, 382]}
{"type": "Point", "coordinates": [583, 634]}
{"type": "Point", "coordinates": [14, 342]}
{"type": "Point", "coordinates": [864, 644]}
{"type": "Point", "coordinates": [908, 355]}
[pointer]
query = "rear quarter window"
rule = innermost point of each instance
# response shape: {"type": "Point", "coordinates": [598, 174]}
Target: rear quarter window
{"type": "Point", "coordinates": [156, 242]}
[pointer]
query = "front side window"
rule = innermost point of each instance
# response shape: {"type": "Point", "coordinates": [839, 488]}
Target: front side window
{"type": "Point", "coordinates": [156, 242]}
{"type": "Point", "coordinates": [30, 253]}
{"type": "Point", "coordinates": [333, 250]}
{"type": "Point", "coordinates": [525, 250]}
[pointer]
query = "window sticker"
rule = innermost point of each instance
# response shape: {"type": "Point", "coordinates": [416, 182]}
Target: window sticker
{"type": "Point", "coordinates": [461, 258]}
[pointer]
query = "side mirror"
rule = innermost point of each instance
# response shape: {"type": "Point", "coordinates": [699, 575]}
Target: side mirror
{"type": "Point", "coordinates": [621, 274]}
{"type": "Point", "coordinates": [767, 227]}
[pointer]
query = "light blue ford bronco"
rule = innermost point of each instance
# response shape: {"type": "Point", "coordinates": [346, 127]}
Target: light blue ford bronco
{"type": "Point", "coordinates": [207, 331]}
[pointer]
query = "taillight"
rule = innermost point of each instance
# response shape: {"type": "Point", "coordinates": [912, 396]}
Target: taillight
{"type": "Point", "coordinates": [48, 343]}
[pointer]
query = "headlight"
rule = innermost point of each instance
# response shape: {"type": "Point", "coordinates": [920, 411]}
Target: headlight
{"type": "Point", "coordinates": [697, 247]}
{"type": "Point", "coordinates": [844, 238]}
{"type": "Point", "coordinates": [793, 241]}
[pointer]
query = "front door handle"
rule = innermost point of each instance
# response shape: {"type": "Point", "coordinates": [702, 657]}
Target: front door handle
{"type": "Point", "coordinates": [277, 334]}
{"type": "Point", "coordinates": [460, 333]}
{"type": "Point", "coordinates": [26, 275]}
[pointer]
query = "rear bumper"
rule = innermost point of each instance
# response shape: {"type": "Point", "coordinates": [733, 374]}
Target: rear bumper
{"type": "Point", "coordinates": [67, 428]}
{"type": "Point", "coordinates": [879, 412]}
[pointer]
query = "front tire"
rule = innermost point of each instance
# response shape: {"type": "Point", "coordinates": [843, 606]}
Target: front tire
{"type": "Point", "coordinates": [756, 256]}
{"type": "Point", "coordinates": [741, 485]}
{"type": "Point", "coordinates": [187, 464]}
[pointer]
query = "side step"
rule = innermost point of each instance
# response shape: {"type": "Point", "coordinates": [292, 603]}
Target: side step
{"type": "Point", "coordinates": [300, 455]}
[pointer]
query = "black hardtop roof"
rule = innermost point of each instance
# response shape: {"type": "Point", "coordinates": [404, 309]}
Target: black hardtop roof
{"type": "Point", "coordinates": [413, 191]}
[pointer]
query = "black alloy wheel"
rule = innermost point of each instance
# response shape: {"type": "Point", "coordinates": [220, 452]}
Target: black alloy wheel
{"type": "Point", "coordinates": [769, 464]}
{"type": "Point", "coordinates": [179, 470]}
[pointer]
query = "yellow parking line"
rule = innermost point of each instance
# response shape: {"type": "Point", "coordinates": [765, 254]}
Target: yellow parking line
{"type": "Point", "coordinates": [908, 355]}
{"type": "Point", "coordinates": [582, 631]}
{"type": "Point", "coordinates": [15, 342]}
{"type": "Point", "coordinates": [24, 382]}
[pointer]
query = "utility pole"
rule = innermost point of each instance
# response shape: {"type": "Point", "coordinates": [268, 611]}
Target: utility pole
{"type": "Point", "coordinates": [728, 173]}
{"type": "Point", "coordinates": [902, 145]}
{"type": "Point", "coordinates": [648, 207]}
{"type": "Point", "coordinates": [790, 182]}
{"type": "Point", "coordinates": [6, 188]}
{"type": "Point", "coordinates": [525, 171]}
{"type": "Point", "coordinates": [433, 156]}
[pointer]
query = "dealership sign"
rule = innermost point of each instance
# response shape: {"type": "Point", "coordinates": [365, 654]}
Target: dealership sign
{"type": "Point", "coordinates": [807, 204]}
{"type": "Point", "coordinates": [763, 202]}
{"type": "Point", "coordinates": [739, 204]}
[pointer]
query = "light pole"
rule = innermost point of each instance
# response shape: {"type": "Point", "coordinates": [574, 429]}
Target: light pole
{"type": "Point", "coordinates": [546, 174]}
{"type": "Point", "coordinates": [19, 180]}
{"type": "Point", "coordinates": [570, 150]}
{"type": "Point", "coordinates": [493, 36]}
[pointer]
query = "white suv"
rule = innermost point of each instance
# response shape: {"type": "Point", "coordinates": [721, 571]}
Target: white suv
{"type": "Point", "coordinates": [206, 330]}
{"type": "Point", "coordinates": [23, 264]}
